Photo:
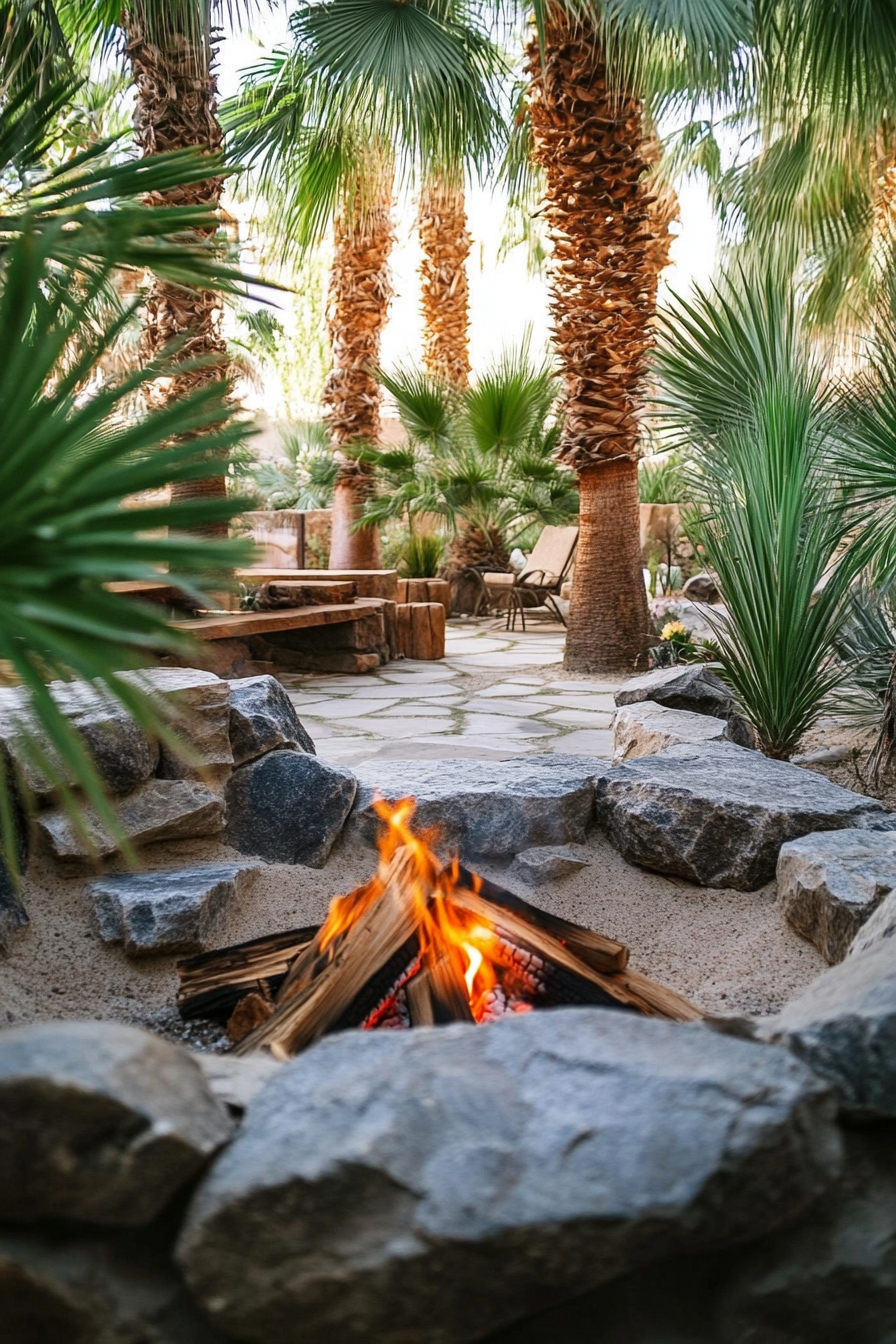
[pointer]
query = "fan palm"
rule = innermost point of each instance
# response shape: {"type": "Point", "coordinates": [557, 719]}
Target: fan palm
{"type": "Point", "coordinates": [72, 453]}
{"type": "Point", "coordinates": [482, 458]}
{"type": "Point", "coordinates": [369, 89]}
{"type": "Point", "coordinates": [70, 459]}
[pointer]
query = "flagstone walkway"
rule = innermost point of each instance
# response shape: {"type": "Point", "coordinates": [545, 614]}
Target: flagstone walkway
{"type": "Point", "coordinates": [495, 695]}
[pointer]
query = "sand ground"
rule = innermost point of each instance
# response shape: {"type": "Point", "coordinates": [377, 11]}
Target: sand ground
{"type": "Point", "coordinates": [728, 951]}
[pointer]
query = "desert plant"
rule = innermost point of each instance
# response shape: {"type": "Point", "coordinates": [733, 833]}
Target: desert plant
{"type": "Point", "coordinates": [70, 458]}
{"type": "Point", "coordinates": [740, 382]}
{"type": "Point", "coordinates": [421, 555]}
{"type": "Point", "coordinates": [369, 90]}
{"type": "Point", "coordinates": [483, 459]}
{"type": "Point", "coordinates": [306, 478]}
{"type": "Point", "coordinates": [663, 479]}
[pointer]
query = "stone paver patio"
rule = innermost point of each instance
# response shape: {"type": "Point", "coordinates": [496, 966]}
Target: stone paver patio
{"type": "Point", "coordinates": [495, 695]}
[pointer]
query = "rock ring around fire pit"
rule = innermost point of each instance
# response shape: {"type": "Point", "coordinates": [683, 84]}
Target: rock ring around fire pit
{"type": "Point", "coordinates": [502, 1169]}
{"type": "Point", "coordinates": [496, 809]}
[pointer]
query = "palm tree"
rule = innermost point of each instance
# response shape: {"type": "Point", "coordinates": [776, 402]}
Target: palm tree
{"type": "Point", "coordinates": [446, 242]}
{"type": "Point", "coordinates": [370, 90]}
{"type": "Point", "coordinates": [170, 47]}
{"type": "Point", "coordinates": [589, 76]}
{"type": "Point", "coordinates": [483, 458]}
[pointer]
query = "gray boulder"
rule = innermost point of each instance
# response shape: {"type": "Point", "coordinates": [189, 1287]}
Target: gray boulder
{"type": "Point", "coordinates": [645, 728]}
{"type": "Point", "coordinates": [717, 814]}
{"type": "Point", "coordinates": [702, 587]}
{"type": "Point", "coordinates": [91, 1286]}
{"type": "Point", "coordinates": [545, 863]}
{"type": "Point", "coordinates": [122, 753]}
{"type": "Point", "coordinates": [288, 807]}
{"type": "Point", "coordinates": [829, 884]}
{"type": "Point", "coordinates": [491, 808]}
{"type": "Point", "coordinates": [832, 1278]}
{"type": "Point", "coordinates": [880, 925]}
{"type": "Point", "coordinates": [162, 809]}
{"type": "Point", "coordinates": [99, 1122]}
{"type": "Point", "coordinates": [844, 1027]}
{"type": "Point", "coordinates": [172, 911]}
{"type": "Point", "coordinates": [692, 687]}
{"type": "Point", "coordinates": [263, 718]}
{"type": "Point", "coordinates": [198, 706]}
{"type": "Point", "coordinates": [502, 1169]}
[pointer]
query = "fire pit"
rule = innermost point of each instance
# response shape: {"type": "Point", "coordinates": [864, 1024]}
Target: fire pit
{"type": "Point", "coordinates": [421, 944]}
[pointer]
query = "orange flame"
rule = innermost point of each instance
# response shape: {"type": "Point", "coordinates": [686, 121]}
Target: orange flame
{"type": "Point", "coordinates": [443, 926]}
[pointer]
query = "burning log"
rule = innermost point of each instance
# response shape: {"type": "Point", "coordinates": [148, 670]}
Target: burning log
{"type": "Point", "coordinates": [212, 983]}
{"type": "Point", "coordinates": [419, 945]}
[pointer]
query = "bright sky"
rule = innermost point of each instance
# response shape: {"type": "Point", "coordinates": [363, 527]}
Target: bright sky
{"type": "Point", "coordinates": [504, 300]}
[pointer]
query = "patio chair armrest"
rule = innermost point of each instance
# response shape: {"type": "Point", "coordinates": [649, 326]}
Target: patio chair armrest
{"type": "Point", "coordinates": [536, 578]}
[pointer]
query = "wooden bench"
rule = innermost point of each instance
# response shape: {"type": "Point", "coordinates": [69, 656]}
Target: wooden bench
{"type": "Point", "coordinates": [370, 582]}
{"type": "Point", "coordinates": [235, 624]}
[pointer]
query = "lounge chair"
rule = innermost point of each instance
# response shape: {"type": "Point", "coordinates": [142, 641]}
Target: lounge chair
{"type": "Point", "coordinates": [540, 581]}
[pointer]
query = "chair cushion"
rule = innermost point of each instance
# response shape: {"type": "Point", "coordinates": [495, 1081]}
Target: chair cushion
{"type": "Point", "coordinates": [506, 579]}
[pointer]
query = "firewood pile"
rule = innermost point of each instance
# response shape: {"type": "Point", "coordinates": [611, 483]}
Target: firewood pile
{"type": "Point", "coordinates": [421, 944]}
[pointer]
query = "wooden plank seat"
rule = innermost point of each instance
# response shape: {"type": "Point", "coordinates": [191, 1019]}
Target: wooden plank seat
{"type": "Point", "coordinates": [234, 625]}
{"type": "Point", "coordinates": [369, 582]}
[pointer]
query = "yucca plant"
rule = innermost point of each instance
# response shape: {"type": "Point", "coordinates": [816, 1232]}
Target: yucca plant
{"type": "Point", "coordinates": [70, 458]}
{"type": "Point", "coordinates": [421, 555]}
{"type": "Point", "coordinates": [740, 383]}
{"type": "Point", "coordinates": [662, 479]}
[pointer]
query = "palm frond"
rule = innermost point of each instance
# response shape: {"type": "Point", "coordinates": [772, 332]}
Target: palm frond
{"type": "Point", "coordinates": [71, 459]}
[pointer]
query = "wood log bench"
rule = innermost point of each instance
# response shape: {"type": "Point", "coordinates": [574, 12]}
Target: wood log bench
{"type": "Point", "coordinates": [369, 582]}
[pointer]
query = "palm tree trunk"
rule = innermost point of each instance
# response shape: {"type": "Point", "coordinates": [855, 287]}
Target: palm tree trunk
{"type": "Point", "coordinates": [176, 108]}
{"type": "Point", "coordinates": [442, 228]}
{"type": "Point", "coordinates": [360, 292]}
{"type": "Point", "coordinates": [590, 141]}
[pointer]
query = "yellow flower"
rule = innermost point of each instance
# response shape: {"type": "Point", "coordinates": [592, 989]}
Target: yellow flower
{"type": "Point", "coordinates": [672, 628]}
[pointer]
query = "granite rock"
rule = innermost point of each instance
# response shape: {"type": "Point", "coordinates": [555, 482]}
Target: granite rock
{"type": "Point", "coordinates": [288, 807]}
{"type": "Point", "coordinates": [490, 808]}
{"type": "Point", "coordinates": [829, 884]}
{"type": "Point", "coordinates": [93, 1286]}
{"type": "Point", "coordinates": [718, 814]}
{"type": "Point", "coordinates": [879, 926]}
{"type": "Point", "coordinates": [503, 1169]}
{"type": "Point", "coordinates": [843, 1026]}
{"type": "Point", "coordinates": [197, 704]}
{"type": "Point", "coordinates": [833, 1277]}
{"type": "Point", "coordinates": [161, 809]}
{"type": "Point", "coordinates": [123, 755]}
{"type": "Point", "coordinates": [100, 1122]}
{"type": "Point", "coordinates": [702, 587]}
{"type": "Point", "coordinates": [262, 719]}
{"type": "Point", "coordinates": [545, 863]}
{"type": "Point", "coordinates": [171, 911]}
{"type": "Point", "coordinates": [645, 728]}
{"type": "Point", "coordinates": [692, 687]}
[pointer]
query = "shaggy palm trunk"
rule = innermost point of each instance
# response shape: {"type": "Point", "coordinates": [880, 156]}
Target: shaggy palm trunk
{"type": "Point", "coordinates": [360, 291]}
{"type": "Point", "coordinates": [176, 108]}
{"type": "Point", "coordinates": [590, 140]}
{"type": "Point", "coordinates": [442, 227]}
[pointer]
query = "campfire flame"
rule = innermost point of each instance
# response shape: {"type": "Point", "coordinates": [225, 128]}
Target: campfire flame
{"type": "Point", "coordinates": [478, 959]}
{"type": "Point", "coordinates": [422, 944]}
